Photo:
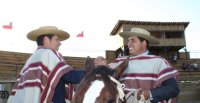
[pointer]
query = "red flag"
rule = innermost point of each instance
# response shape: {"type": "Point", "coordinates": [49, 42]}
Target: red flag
{"type": "Point", "coordinates": [80, 35]}
{"type": "Point", "coordinates": [8, 26]}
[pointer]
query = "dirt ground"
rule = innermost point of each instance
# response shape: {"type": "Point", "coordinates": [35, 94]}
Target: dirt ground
{"type": "Point", "coordinates": [189, 95]}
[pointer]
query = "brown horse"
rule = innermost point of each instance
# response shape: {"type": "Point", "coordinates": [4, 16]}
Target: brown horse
{"type": "Point", "coordinates": [100, 84]}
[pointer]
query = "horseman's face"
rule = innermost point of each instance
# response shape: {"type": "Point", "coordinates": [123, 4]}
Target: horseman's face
{"type": "Point", "coordinates": [136, 46]}
{"type": "Point", "coordinates": [53, 43]}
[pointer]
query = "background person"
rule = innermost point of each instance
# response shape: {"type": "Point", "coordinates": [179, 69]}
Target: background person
{"type": "Point", "coordinates": [186, 66]}
{"type": "Point", "coordinates": [195, 66]}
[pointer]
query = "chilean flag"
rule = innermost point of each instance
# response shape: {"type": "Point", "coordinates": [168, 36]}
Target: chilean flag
{"type": "Point", "coordinates": [80, 35]}
{"type": "Point", "coordinates": [8, 26]}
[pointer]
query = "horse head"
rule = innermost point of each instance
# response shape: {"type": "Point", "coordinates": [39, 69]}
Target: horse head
{"type": "Point", "coordinates": [100, 85]}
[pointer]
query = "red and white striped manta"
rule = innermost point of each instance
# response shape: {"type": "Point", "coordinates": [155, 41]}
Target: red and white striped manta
{"type": "Point", "coordinates": [39, 77]}
{"type": "Point", "coordinates": [146, 72]}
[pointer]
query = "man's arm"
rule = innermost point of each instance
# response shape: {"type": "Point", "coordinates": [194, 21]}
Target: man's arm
{"type": "Point", "coordinates": [74, 76]}
{"type": "Point", "coordinates": [168, 89]}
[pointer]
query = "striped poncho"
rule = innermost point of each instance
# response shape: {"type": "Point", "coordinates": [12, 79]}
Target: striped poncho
{"type": "Point", "coordinates": [145, 71]}
{"type": "Point", "coordinates": [39, 77]}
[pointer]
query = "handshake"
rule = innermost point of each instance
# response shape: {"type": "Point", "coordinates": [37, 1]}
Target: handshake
{"type": "Point", "coordinates": [100, 61]}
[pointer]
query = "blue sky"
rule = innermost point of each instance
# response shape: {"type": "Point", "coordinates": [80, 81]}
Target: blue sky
{"type": "Point", "coordinates": [95, 17]}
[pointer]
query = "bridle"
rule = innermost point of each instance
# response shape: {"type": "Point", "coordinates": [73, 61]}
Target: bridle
{"type": "Point", "coordinates": [120, 88]}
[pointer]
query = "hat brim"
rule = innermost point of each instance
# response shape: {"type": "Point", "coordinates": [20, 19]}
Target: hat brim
{"type": "Point", "coordinates": [33, 35]}
{"type": "Point", "coordinates": [151, 39]}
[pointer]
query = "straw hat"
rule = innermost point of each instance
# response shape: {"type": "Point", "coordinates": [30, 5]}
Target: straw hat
{"type": "Point", "coordinates": [34, 34]}
{"type": "Point", "coordinates": [140, 33]}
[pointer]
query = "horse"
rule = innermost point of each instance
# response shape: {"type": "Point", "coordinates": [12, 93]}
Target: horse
{"type": "Point", "coordinates": [101, 85]}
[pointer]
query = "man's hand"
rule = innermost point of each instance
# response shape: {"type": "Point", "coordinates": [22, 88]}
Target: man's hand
{"type": "Point", "coordinates": [139, 93]}
{"type": "Point", "coordinates": [100, 61]}
{"type": "Point", "coordinates": [145, 93]}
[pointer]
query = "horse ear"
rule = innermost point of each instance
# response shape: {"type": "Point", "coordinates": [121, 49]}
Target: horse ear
{"type": "Point", "coordinates": [120, 69]}
{"type": "Point", "coordinates": [89, 65]}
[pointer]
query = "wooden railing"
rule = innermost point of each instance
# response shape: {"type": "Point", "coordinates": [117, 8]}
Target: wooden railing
{"type": "Point", "coordinates": [172, 42]}
{"type": "Point", "coordinates": [7, 77]}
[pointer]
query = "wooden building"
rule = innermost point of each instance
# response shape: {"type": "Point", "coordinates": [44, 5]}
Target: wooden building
{"type": "Point", "coordinates": [170, 34]}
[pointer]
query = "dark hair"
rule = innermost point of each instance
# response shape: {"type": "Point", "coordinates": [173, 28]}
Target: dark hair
{"type": "Point", "coordinates": [142, 39]}
{"type": "Point", "coordinates": [40, 39]}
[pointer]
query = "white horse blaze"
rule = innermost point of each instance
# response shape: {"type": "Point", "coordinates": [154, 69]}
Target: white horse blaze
{"type": "Point", "coordinates": [93, 92]}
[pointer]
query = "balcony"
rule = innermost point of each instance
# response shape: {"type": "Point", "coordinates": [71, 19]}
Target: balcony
{"type": "Point", "coordinates": [172, 42]}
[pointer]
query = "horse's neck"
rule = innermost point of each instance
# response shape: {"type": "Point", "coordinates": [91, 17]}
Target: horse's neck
{"type": "Point", "coordinates": [80, 92]}
{"type": "Point", "coordinates": [93, 92]}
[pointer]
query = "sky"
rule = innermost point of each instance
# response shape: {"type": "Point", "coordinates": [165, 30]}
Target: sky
{"type": "Point", "coordinates": [96, 18]}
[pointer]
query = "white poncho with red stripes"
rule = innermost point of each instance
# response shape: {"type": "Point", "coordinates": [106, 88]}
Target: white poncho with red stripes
{"type": "Point", "coordinates": [146, 72]}
{"type": "Point", "coordinates": [39, 77]}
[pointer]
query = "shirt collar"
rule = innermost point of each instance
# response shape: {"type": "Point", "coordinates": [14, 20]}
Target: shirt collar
{"type": "Point", "coordinates": [144, 53]}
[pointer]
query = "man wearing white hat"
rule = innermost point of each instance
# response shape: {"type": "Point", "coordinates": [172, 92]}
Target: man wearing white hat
{"type": "Point", "coordinates": [44, 76]}
{"type": "Point", "coordinates": [150, 78]}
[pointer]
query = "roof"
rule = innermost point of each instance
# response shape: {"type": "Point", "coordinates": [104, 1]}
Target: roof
{"type": "Point", "coordinates": [120, 22]}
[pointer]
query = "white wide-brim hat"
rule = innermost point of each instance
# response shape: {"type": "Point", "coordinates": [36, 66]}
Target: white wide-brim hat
{"type": "Point", "coordinates": [34, 34]}
{"type": "Point", "coordinates": [140, 33]}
